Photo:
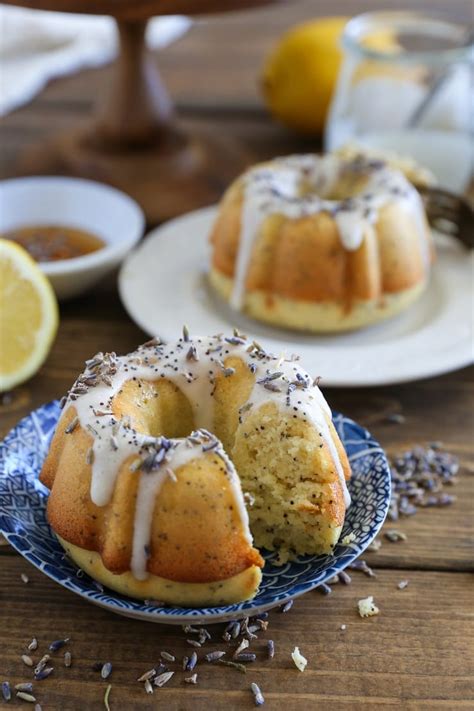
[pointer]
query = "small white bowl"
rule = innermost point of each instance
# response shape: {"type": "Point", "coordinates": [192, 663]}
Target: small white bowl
{"type": "Point", "coordinates": [83, 204]}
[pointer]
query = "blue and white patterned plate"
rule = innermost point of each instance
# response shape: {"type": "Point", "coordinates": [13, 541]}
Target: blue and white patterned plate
{"type": "Point", "coordinates": [23, 523]}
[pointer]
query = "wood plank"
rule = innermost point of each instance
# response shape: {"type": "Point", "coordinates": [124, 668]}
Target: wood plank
{"type": "Point", "coordinates": [392, 660]}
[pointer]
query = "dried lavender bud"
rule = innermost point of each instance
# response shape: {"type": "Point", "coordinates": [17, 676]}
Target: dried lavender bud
{"type": "Point", "coordinates": [193, 643]}
{"type": "Point", "coordinates": [6, 691]}
{"type": "Point", "coordinates": [24, 686]}
{"type": "Point", "coordinates": [26, 697]}
{"type": "Point", "coordinates": [167, 657]}
{"type": "Point", "coordinates": [57, 644]}
{"type": "Point", "coordinates": [106, 670]}
{"type": "Point", "coordinates": [363, 567]}
{"type": "Point", "coordinates": [214, 656]}
{"type": "Point", "coordinates": [324, 589]}
{"type": "Point", "coordinates": [245, 657]}
{"type": "Point", "coordinates": [191, 662]}
{"type": "Point", "coordinates": [163, 679]}
{"type": "Point", "coordinates": [270, 648]}
{"type": "Point", "coordinates": [394, 536]}
{"type": "Point", "coordinates": [44, 673]}
{"type": "Point", "coordinates": [344, 577]}
{"type": "Point", "coordinates": [287, 606]}
{"type": "Point", "coordinates": [147, 675]}
{"type": "Point", "coordinates": [257, 694]}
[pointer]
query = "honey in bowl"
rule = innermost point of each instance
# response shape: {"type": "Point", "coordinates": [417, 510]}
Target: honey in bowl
{"type": "Point", "coordinates": [51, 243]}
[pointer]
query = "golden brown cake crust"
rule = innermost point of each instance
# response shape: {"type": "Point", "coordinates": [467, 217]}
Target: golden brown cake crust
{"type": "Point", "coordinates": [302, 260]}
{"type": "Point", "coordinates": [207, 545]}
{"type": "Point", "coordinates": [137, 494]}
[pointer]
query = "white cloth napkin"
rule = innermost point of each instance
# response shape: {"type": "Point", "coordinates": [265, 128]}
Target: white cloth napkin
{"type": "Point", "coordinates": [36, 46]}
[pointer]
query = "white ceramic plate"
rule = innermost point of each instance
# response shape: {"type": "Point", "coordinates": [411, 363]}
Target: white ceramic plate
{"type": "Point", "coordinates": [163, 285]}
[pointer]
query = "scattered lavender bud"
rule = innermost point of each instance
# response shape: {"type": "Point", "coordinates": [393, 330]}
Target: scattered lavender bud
{"type": "Point", "coordinates": [33, 645]}
{"type": "Point", "coordinates": [394, 536]}
{"type": "Point", "coordinates": [214, 656]}
{"type": "Point", "coordinates": [245, 657]}
{"type": "Point", "coordinates": [147, 675]}
{"type": "Point", "coordinates": [106, 670]}
{"type": "Point", "coordinates": [24, 686]}
{"type": "Point", "coordinates": [25, 578]}
{"type": "Point", "coordinates": [26, 697]}
{"type": "Point", "coordinates": [163, 679]}
{"type": "Point", "coordinates": [193, 643]}
{"type": "Point", "coordinates": [324, 589]}
{"type": "Point", "coordinates": [257, 694]}
{"type": "Point", "coordinates": [287, 606]}
{"type": "Point", "coordinates": [6, 691]}
{"type": "Point", "coordinates": [191, 679]}
{"type": "Point", "coordinates": [402, 584]}
{"type": "Point", "coordinates": [167, 657]}
{"type": "Point", "coordinates": [191, 662]}
{"type": "Point", "coordinates": [57, 644]}
{"type": "Point", "coordinates": [67, 659]}
{"type": "Point", "coordinates": [270, 648]}
{"type": "Point", "coordinates": [344, 577]}
{"type": "Point", "coordinates": [44, 673]}
{"type": "Point", "coordinates": [148, 687]}
{"type": "Point", "coordinates": [363, 567]}
{"type": "Point", "coordinates": [27, 660]}
{"type": "Point", "coordinates": [42, 663]}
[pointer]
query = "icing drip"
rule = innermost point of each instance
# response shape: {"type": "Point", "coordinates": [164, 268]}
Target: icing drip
{"type": "Point", "coordinates": [192, 365]}
{"type": "Point", "coordinates": [299, 186]}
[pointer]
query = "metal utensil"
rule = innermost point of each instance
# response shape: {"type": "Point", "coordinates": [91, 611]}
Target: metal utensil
{"type": "Point", "coordinates": [451, 214]}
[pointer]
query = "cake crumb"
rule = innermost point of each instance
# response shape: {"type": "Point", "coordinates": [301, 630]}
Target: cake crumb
{"type": "Point", "coordinates": [367, 608]}
{"type": "Point", "coordinates": [299, 660]}
{"type": "Point", "coordinates": [402, 584]}
{"type": "Point", "coordinates": [375, 546]}
{"type": "Point", "coordinates": [343, 627]}
{"type": "Point", "coordinates": [349, 538]}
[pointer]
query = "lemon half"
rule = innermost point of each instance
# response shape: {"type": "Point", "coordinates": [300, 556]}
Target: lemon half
{"type": "Point", "coordinates": [28, 315]}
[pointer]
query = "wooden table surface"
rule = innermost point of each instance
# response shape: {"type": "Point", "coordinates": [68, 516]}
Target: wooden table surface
{"type": "Point", "coordinates": [418, 653]}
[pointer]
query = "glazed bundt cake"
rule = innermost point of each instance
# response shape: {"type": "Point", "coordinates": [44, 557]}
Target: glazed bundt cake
{"type": "Point", "coordinates": [321, 243]}
{"type": "Point", "coordinates": [153, 452]}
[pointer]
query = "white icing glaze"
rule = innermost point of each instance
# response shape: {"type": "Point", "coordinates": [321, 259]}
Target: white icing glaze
{"type": "Point", "coordinates": [298, 186]}
{"type": "Point", "coordinates": [193, 367]}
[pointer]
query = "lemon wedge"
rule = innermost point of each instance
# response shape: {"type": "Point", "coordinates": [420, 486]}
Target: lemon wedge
{"type": "Point", "coordinates": [28, 315]}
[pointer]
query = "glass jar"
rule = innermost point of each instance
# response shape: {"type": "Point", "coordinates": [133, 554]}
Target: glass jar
{"type": "Point", "coordinates": [405, 85]}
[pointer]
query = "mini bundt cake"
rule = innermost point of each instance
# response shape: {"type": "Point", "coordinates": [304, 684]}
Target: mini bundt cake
{"type": "Point", "coordinates": [321, 243]}
{"type": "Point", "coordinates": [145, 495]}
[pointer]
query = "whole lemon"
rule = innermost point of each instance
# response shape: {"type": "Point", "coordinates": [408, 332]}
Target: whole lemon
{"type": "Point", "coordinates": [300, 74]}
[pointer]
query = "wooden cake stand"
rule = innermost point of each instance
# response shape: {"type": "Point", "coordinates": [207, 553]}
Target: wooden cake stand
{"type": "Point", "coordinates": [133, 141]}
